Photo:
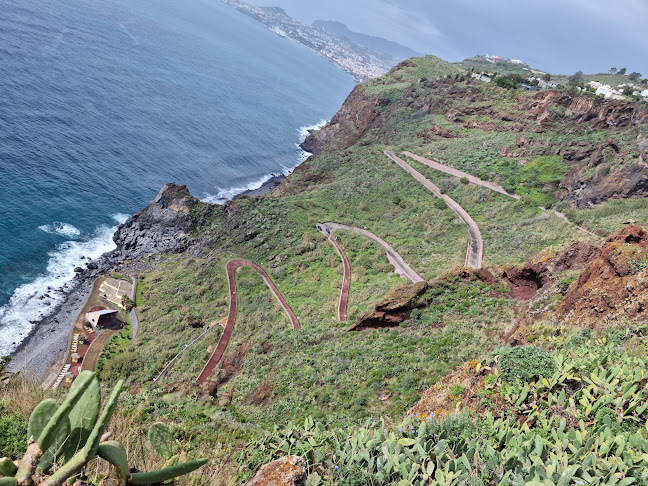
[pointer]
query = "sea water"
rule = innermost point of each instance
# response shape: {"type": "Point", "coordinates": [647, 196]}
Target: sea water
{"type": "Point", "coordinates": [102, 103]}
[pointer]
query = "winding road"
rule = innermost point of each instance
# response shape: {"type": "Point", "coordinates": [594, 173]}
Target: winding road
{"type": "Point", "coordinates": [231, 268]}
{"type": "Point", "coordinates": [457, 173]}
{"type": "Point", "coordinates": [400, 265]}
{"type": "Point", "coordinates": [346, 278]}
{"type": "Point", "coordinates": [490, 185]}
{"type": "Point", "coordinates": [475, 251]}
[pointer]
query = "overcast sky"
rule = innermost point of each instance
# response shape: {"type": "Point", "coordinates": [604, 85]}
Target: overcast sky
{"type": "Point", "coordinates": [560, 36]}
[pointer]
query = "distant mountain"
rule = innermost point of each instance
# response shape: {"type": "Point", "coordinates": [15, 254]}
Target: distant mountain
{"type": "Point", "coordinates": [362, 62]}
{"type": "Point", "coordinates": [377, 44]}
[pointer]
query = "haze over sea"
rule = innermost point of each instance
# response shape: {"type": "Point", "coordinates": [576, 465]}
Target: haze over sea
{"type": "Point", "coordinates": [102, 103]}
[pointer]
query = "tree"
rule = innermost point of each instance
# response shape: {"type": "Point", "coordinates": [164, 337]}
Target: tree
{"type": "Point", "coordinates": [547, 77]}
{"type": "Point", "coordinates": [622, 71]}
{"type": "Point", "coordinates": [576, 78]}
{"type": "Point", "coordinates": [628, 91]}
{"type": "Point", "coordinates": [634, 76]}
{"type": "Point", "coordinates": [613, 70]}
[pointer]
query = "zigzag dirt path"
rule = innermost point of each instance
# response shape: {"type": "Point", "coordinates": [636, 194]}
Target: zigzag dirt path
{"type": "Point", "coordinates": [457, 173]}
{"type": "Point", "coordinates": [231, 268]}
{"type": "Point", "coordinates": [400, 265]}
{"type": "Point", "coordinates": [490, 185]}
{"type": "Point", "coordinates": [475, 252]}
{"type": "Point", "coordinates": [346, 278]}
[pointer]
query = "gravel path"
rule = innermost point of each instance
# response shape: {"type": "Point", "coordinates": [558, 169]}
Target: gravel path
{"type": "Point", "coordinates": [457, 173]}
{"type": "Point", "coordinates": [475, 252]}
{"type": "Point", "coordinates": [346, 278]}
{"type": "Point", "coordinates": [231, 268]}
{"type": "Point", "coordinates": [400, 265]}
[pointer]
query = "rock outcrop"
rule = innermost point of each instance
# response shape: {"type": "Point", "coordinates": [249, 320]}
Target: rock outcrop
{"type": "Point", "coordinates": [393, 309]}
{"type": "Point", "coordinates": [613, 289]}
{"type": "Point", "coordinates": [288, 471]}
{"type": "Point", "coordinates": [347, 126]}
{"type": "Point", "coordinates": [525, 281]}
{"type": "Point", "coordinates": [164, 225]}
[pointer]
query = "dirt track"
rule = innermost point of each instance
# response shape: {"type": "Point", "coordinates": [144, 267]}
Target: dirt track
{"type": "Point", "coordinates": [457, 173]}
{"type": "Point", "coordinates": [475, 252]}
{"type": "Point", "coordinates": [400, 265]}
{"type": "Point", "coordinates": [231, 268]}
{"type": "Point", "coordinates": [346, 278]}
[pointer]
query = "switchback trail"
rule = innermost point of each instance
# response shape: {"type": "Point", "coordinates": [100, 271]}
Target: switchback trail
{"type": "Point", "coordinates": [231, 268]}
{"type": "Point", "coordinates": [475, 252]}
{"type": "Point", "coordinates": [490, 185]}
{"type": "Point", "coordinates": [400, 265]}
{"type": "Point", "coordinates": [346, 278]}
{"type": "Point", "coordinates": [457, 173]}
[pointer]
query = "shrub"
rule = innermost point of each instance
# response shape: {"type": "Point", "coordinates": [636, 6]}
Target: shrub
{"type": "Point", "coordinates": [13, 434]}
{"type": "Point", "coordinates": [127, 303]}
{"type": "Point", "coordinates": [525, 363]}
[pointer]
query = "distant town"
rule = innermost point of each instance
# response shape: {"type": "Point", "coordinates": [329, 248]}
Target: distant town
{"type": "Point", "coordinates": [362, 63]}
{"type": "Point", "coordinates": [511, 74]}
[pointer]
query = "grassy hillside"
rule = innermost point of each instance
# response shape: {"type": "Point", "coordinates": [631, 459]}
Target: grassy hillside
{"type": "Point", "coordinates": [272, 374]}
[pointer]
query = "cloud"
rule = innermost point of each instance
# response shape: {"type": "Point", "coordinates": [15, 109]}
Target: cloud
{"type": "Point", "coordinates": [557, 35]}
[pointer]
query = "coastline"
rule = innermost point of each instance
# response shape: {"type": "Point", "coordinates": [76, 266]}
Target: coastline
{"type": "Point", "coordinates": [47, 343]}
{"type": "Point", "coordinates": [49, 340]}
{"type": "Point", "coordinates": [267, 186]}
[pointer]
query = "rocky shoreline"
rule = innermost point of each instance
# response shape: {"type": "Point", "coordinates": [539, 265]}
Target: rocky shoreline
{"type": "Point", "coordinates": [163, 226]}
{"type": "Point", "coordinates": [49, 339]}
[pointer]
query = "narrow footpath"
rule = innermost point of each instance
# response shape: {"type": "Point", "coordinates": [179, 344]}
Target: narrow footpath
{"type": "Point", "coordinates": [231, 268]}
{"type": "Point", "coordinates": [346, 278]}
{"type": "Point", "coordinates": [475, 251]}
{"type": "Point", "coordinates": [400, 265]}
{"type": "Point", "coordinates": [490, 185]}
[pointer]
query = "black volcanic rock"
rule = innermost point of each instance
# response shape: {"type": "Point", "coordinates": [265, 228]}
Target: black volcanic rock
{"type": "Point", "coordinates": [164, 225]}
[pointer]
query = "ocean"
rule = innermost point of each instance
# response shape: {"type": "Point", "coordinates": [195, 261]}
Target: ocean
{"type": "Point", "coordinates": [102, 103]}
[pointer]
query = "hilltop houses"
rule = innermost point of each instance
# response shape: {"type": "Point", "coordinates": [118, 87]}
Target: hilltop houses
{"type": "Point", "coordinates": [609, 92]}
{"type": "Point", "coordinates": [486, 77]}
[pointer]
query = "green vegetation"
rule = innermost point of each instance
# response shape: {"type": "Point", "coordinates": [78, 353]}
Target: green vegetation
{"type": "Point", "coordinates": [426, 68]}
{"type": "Point", "coordinates": [531, 414]}
{"type": "Point", "coordinates": [479, 64]}
{"type": "Point", "coordinates": [612, 215]}
{"type": "Point", "coordinates": [70, 435]}
{"type": "Point", "coordinates": [13, 433]}
{"type": "Point", "coordinates": [127, 303]}
{"type": "Point", "coordinates": [114, 348]}
{"type": "Point", "coordinates": [580, 424]}
{"type": "Point", "coordinates": [525, 363]}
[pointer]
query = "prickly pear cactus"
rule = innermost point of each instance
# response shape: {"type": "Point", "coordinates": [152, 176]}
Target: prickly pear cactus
{"type": "Point", "coordinates": [159, 436]}
{"type": "Point", "coordinates": [65, 437]}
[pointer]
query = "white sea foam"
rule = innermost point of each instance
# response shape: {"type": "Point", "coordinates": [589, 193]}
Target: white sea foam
{"type": "Point", "coordinates": [224, 195]}
{"type": "Point", "coordinates": [120, 218]}
{"type": "Point", "coordinates": [26, 305]}
{"type": "Point", "coordinates": [62, 229]}
{"type": "Point", "coordinates": [305, 131]}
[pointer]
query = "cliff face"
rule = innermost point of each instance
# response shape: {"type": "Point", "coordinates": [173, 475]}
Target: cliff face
{"type": "Point", "coordinates": [548, 123]}
{"type": "Point", "coordinates": [613, 289]}
{"type": "Point", "coordinates": [347, 126]}
{"type": "Point", "coordinates": [165, 225]}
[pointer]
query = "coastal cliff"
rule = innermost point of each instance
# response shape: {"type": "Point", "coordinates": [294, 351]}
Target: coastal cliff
{"type": "Point", "coordinates": [548, 123]}
{"type": "Point", "coordinates": [559, 297]}
{"type": "Point", "coordinates": [165, 225]}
